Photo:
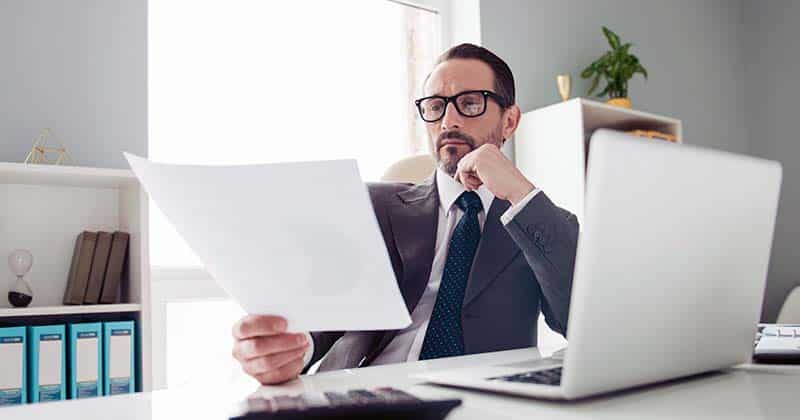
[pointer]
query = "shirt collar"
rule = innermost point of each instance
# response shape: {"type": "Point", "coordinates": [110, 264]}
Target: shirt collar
{"type": "Point", "coordinates": [450, 189]}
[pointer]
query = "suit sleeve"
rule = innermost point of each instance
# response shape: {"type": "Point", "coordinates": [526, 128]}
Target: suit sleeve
{"type": "Point", "coordinates": [322, 342]}
{"type": "Point", "coordinates": [548, 237]}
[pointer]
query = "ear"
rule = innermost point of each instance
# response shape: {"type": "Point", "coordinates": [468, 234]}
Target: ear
{"type": "Point", "coordinates": [510, 120]}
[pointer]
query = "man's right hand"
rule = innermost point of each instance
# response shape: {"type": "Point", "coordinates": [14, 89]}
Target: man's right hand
{"type": "Point", "coordinates": [266, 351]}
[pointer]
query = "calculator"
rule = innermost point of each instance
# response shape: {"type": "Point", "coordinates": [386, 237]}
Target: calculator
{"type": "Point", "coordinates": [379, 403]}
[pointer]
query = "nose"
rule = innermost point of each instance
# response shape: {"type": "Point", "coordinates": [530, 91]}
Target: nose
{"type": "Point", "coordinates": [451, 118]}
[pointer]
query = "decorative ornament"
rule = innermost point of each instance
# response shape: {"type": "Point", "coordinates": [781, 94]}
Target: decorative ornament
{"type": "Point", "coordinates": [44, 145]}
{"type": "Point", "coordinates": [20, 262]}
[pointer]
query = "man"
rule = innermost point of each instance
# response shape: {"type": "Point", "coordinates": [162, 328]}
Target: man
{"type": "Point", "coordinates": [477, 249]}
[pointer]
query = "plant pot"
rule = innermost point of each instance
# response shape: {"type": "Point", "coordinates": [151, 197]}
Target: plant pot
{"type": "Point", "coordinates": [620, 102]}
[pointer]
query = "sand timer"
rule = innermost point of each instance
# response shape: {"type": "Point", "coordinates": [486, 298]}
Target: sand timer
{"type": "Point", "coordinates": [20, 262]}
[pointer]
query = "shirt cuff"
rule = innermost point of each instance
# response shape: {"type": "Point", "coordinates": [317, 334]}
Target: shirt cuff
{"type": "Point", "coordinates": [309, 352]}
{"type": "Point", "coordinates": [515, 209]}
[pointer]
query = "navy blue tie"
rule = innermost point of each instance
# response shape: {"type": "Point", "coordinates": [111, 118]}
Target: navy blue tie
{"type": "Point", "coordinates": [444, 337]}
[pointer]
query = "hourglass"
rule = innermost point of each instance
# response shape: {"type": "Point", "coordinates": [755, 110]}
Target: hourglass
{"type": "Point", "coordinates": [20, 262]}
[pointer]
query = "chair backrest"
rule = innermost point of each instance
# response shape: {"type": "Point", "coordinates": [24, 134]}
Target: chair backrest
{"type": "Point", "coordinates": [412, 169]}
{"type": "Point", "coordinates": [790, 311]}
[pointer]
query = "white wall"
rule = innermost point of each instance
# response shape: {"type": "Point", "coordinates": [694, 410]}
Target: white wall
{"type": "Point", "coordinates": [78, 67]}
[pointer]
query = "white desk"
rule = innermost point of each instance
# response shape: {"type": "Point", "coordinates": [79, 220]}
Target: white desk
{"type": "Point", "coordinates": [752, 392]}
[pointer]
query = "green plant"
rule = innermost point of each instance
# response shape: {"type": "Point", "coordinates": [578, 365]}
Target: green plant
{"type": "Point", "coordinates": [616, 67]}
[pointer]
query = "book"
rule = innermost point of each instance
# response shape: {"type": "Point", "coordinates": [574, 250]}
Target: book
{"type": "Point", "coordinates": [80, 268]}
{"type": "Point", "coordinates": [115, 269]}
{"type": "Point", "coordinates": [119, 365]}
{"type": "Point", "coordinates": [13, 366]}
{"type": "Point", "coordinates": [99, 261]}
{"type": "Point", "coordinates": [46, 363]}
{"type": "Point", "coordinates": [85, 360]}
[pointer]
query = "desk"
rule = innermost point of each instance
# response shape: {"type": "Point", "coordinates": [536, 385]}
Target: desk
{"type": "Point", "coordinates": [747, 391]}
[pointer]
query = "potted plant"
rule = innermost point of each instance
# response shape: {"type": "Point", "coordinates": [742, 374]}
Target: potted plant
{"type": "Point", "coordinates": [616, 67]}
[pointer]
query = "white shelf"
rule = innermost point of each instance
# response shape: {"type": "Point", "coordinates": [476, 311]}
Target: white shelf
{"type": "Point", "coordinates": [69, 310]}
{"type": "Point", "coordinates": [74, 176]}
{"type": "Point", "coordinates": [551, 145]}
{"type": "Point", "coordinates": [44, 209]}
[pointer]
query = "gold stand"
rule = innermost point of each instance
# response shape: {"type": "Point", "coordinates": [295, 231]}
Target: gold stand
{"type": "Point", "coordinates": [40, 149]}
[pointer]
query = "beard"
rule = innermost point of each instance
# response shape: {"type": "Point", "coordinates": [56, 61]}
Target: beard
{"type": "Point", "coordinates": [447, 156]}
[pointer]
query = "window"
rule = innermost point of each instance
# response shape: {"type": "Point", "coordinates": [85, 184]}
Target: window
{"type": "Point", "coordinates": [253, 81]}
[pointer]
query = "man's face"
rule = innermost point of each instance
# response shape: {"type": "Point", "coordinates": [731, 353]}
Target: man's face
{"type": "Point", "coordinates": [455, 135]}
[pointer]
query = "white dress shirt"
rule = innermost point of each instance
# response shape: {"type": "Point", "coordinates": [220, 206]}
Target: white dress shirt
{"type": "Point", "coordinates": [407, 344]}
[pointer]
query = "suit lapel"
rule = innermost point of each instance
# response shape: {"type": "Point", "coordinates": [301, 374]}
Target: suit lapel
{"type": "Point", "coordinates": [414, 220]}
{"type": "Point", "coordinates": [495, 251]}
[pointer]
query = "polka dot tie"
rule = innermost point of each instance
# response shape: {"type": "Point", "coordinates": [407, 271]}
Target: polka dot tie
{"type": "Point", "coordinates": [444, 336]}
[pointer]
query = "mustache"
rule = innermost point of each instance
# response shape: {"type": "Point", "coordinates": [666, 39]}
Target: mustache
{"type": "Point", "coordinates": [457, 135]}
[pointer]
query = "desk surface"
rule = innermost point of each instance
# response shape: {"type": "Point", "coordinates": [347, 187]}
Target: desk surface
{"type": "Point", "coordinates": [747, 391]}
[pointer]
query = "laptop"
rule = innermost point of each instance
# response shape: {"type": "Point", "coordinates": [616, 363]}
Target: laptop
{"type": "Point", "coordinates": [670, 271]}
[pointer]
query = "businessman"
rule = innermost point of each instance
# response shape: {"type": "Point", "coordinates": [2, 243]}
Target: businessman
{"type": "Point", "coordinates": [478, 250]}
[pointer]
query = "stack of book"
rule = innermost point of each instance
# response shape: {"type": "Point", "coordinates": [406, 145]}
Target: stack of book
{"type": "Point", "coordinates": [98, 265]}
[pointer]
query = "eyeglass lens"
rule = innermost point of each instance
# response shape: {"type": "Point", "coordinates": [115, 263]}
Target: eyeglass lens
{"type": "Point", "coordinates": [469, 104]}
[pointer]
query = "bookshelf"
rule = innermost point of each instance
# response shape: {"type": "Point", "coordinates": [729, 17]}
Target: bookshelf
{"type": "Point", "coordinates": [44, 208]}
{"type": "Point", "coordinates": [551, 144]}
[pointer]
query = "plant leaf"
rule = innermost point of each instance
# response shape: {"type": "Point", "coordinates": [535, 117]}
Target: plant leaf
{"type": "Point", "coordinates": [594, 84]}
{"type": "Point", "coordinates": [587, 72]}
{"type": "Point", "coordinates": [642, 70]}
{"type": "Point", "coordinates": [613, 39]}
{"type": "Point", "coordinates": [606, 90]}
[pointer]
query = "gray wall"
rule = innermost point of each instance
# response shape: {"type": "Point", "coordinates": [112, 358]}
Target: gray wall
{"type": "Point", "coordinates": [691, 50]}
{"type": "Point", "coordinates": [78, 67]}
{"type": "Point", "coordinates": [773, 94]}
{"type": "Point", "coordinates": [728, 69]}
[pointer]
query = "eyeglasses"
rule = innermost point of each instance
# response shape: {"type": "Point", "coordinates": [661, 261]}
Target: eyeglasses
{"type": "Point", "coordinates": [470, 104]}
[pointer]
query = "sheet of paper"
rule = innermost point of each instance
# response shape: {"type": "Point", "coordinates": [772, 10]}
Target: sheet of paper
{"type": "Point", "coordinates": [298, 240]}
{"type": "Point", "coordinates": [87, 359]}
{"type": "Point", "coordinates": [11, 369]}
{"type": "Point", "coordinates": [120, 356]}
{"type": "Point", "coordinates": [50, 362]}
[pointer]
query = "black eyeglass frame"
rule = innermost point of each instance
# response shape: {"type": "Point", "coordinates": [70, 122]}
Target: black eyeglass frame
{"type": "Point", "coordinates": [447, 99]}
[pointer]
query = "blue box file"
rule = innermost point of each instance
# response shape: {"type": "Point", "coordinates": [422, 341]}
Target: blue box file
{"type": "Point", "coordinates": [47, 363]}
{"type": "Point", "coordinates": [85, 360]}
{"type": "Point", "coordinates": [12, 366]}
{"type": "Point", "coordinates": [119, 350]}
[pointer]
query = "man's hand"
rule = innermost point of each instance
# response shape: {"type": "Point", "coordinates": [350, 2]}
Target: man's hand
{"type": "Point", "coordinates": [488, 165]}
{"type": "Point", "coordinates": [266, 351]}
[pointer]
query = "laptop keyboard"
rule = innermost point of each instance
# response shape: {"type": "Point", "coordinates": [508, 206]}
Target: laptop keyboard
{"type": "Point", "coordinates": [542, 377]}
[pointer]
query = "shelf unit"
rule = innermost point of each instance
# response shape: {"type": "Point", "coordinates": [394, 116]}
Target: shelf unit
{"type": "Point", "coordinates": [551, 144]}
{"type": "Point", "coordinates": [44, 208]}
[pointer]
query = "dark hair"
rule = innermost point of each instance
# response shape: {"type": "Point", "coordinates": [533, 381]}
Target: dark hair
{"type": "Point", "coordinates": [503, 78]}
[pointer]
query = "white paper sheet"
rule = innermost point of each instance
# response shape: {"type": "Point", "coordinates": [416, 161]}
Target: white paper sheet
{"type": "Point", "coordinates": [298, 240]}
{"type": "Point", "coordinates": [119, 356]}
{"type": "Point", "coordinates": [11, 369]}
{"type": "Point", "coordinates": [87, 359]}
{"type": "Point", "coordinates": [50, 362]}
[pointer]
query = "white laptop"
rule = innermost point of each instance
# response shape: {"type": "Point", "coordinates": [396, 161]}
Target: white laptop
{"type": "Point", "coordinates": [670, 271]}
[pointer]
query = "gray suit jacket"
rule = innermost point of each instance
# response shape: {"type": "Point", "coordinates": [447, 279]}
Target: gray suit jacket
{"type": "Point", "coordinates": [519, 269]}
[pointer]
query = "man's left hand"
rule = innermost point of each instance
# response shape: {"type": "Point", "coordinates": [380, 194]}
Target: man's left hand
{"type": "Point", "coordinates": [488, 165]}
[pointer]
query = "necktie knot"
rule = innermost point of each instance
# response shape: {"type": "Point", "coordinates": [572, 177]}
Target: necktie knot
{"type": "Point", "coordinates": [469, 200]}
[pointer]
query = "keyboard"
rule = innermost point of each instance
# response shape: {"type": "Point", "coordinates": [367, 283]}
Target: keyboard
{"type": "Point", "coordinates": [542, 377]}
{"type": "Point", "coordinates": [777, 343]}
{"type": "Point", "coordinates": [384, 403]}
